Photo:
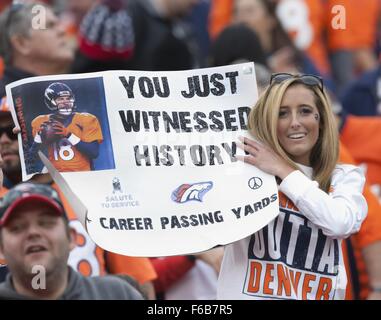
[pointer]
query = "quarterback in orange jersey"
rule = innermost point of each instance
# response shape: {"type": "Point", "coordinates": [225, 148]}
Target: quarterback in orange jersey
{"type": "Point", "coordinates": [70, 139]}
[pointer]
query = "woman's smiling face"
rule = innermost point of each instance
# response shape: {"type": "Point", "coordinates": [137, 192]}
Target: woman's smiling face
{"type": "Point", "coordinates": [298, 123]}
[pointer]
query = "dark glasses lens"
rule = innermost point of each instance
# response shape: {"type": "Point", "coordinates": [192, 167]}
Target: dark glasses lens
{"type": "Point", "coordinates": [9, 132]}
{"type": "Point", "coordinates": [311, 80]}
{"type": "Point", "coordinates": [280, 77]}
{"type": "Point", "coordinates": [307, 79]}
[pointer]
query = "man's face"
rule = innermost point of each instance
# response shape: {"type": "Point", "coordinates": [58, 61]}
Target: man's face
{"type": "Point", "coordinates": [35, 235]}
{"type": "Point", "coordinates": [50, 44]}
{"type": "Point", "coordinates": [9, 148]}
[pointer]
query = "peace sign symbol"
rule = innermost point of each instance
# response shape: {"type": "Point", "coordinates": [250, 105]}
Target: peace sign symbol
{"type": "Point", "coordinates": [255, 183]}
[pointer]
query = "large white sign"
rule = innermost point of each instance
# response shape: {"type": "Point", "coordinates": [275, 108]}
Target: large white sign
{"type": "Point", "coordinates": [147, 158]}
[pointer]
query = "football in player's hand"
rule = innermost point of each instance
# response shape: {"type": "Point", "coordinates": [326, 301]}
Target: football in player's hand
{"type": "Point", "coordinates": [48, 133]}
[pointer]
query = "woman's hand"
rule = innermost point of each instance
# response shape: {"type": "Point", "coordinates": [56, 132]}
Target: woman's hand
{"type": "Point", "coordinates": [16, 130]}
{"type": "Point", "coordinates": [264, 158]}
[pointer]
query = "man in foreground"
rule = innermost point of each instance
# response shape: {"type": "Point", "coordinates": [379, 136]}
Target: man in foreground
{"type": "Point", "coordinates": [35, 240]}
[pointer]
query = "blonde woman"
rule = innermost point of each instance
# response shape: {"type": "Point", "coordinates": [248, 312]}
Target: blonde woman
{"type": "Point", "coordinates": [297, 255]}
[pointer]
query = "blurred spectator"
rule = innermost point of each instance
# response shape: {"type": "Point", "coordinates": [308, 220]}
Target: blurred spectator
{"type": "Point", "coordinates": [144, 35]}
{"type": "Point", "coordinates": [305, 22]}
{"type": "Point", "coordinates": [363, 96]}
{"type": "Point", "coordinates": [71, 14]}
{"type": "Point", "coordinates": [162, 40]}
{"type": "Point", "coordinates": [362, 99]}
{"type": "Point", "coordinates": [362, 251]}
{"type": "Point", "coordinates": [237, 43]}
{"type": "Point", "coordinates": [362, 137]}
{"type": "Point", "coordinates": [259, 15]}
{"type": "Point", "coordinates": [282, 54]}
{"type": "Point", "coordinates": [198, 20]}
{"type": "Point", "coordinates": [333, 33]}
{"type": "Point", "coordinates": [106, 38]}
{"type": "Point", "coordinates": [21, 45]}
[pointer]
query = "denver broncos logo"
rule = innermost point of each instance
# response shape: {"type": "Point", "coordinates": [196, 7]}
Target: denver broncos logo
{"type": "Point", "coordinates": [188, 192]}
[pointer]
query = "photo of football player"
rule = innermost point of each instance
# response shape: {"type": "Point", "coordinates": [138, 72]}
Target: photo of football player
{"type": "Point", "coordinates": [70, 139]}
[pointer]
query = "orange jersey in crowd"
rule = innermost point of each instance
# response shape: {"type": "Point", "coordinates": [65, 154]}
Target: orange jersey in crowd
{"type": "Point", "coordinates": [220, 16]}
{"type": "Point", "coordinates": [304, 21]}
{"type": "Point", "coordinates": [369, 233]}
{"type": "Point", "coordinates": [361, 135]}
{"type": "Point", "coordinates": [360, 27]}
{"type": "Point", "coordinates": [91, 260]}
{"type": "Point", "coordinates": [63, 155]}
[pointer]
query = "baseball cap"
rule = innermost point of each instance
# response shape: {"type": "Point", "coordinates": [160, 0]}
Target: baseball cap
{"type": "Point", "coordinates": [106, 32]}
{"type": "Point", "coordinates": [29, 192]}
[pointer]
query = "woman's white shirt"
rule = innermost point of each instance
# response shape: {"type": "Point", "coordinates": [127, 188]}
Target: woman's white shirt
{"type": "Point", "coordinates": [298, 255]}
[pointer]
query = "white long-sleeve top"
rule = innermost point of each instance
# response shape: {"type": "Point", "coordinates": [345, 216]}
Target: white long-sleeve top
{"type": "Point", "coordinates": [298, 255]}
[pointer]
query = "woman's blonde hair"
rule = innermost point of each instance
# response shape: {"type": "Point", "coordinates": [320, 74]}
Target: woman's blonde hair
{"type": "Point", "coordinates": [263, 120]}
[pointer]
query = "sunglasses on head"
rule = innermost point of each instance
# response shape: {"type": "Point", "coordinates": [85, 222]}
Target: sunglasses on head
{"type": "Point", "coordinates": [307, 79]}
{"type": "Point", "coordinates": [9, 132]}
